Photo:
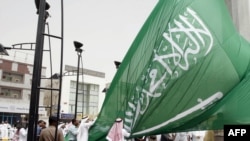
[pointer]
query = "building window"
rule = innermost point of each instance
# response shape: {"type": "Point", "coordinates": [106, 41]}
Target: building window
{"type": "Point", "coordinates": [73, 84]}
{"type": "Point", "coordinates": [29, 96]}
{"type": "Point", "coordinates": [12, 77]}
{"type": "Point", "coordinates": [94, 88]}
{"type": "Point", "coordinates": [10, 93]}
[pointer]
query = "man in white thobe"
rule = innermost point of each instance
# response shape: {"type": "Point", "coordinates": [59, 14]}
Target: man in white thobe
{"type": "Point", "coordinates": [83, 130]}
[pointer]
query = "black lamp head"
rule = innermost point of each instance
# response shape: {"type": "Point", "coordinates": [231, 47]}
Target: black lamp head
{"type": "Point", "coordinates": [117, 64]}
{"type": "Point", "coordinates": [55, 76]}
{"type": "Point", "coordinates": [3, 50]}
{"type": "Point", "coordinates": [104, 90]}
{"type": "Point", "coordinates": [77, 45]}
{"type": "Point", "coordinates": [37, 2]}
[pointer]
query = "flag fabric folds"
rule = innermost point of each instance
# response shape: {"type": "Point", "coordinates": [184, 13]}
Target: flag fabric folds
{"type": "Point", "coordinates": [187, 69]}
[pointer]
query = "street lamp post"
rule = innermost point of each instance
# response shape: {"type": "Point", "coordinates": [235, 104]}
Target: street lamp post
{"type": "Point", "coordinates": [78, 49]}
{"type": "Point", "coordinates": [117, 65]}
{"type": "Point", "coordinates": [42, 7]}
{"type": "Point", "coordinates": [35, 92]}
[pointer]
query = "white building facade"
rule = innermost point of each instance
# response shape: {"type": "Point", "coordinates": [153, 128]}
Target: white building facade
{"type": "Point", "coordinates": [90, 96]}
{"type": "Point", "coordinates": [15, 90]}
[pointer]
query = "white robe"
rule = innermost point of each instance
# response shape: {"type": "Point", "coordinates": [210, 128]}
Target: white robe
{"type": "Point", "coordinates": [83, 130]}
{"type": "Point", "coordinates": [4, 131]}
{"type": "Point", "coordinates": [198, 135]}
{"type": "Point", "coordinates": [23, 134]}
{"type": "Point", "coordinates": [63, 129]}
{"type": "Point", "coordinates": [182, 136]}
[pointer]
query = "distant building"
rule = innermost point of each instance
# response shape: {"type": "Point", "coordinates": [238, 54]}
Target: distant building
{"type": "Point", "coordinates": [15, 90]}
{"type": "Point", "coordinates": [90, 96]}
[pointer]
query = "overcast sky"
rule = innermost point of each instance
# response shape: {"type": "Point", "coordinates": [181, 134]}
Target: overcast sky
{"type": "Point", "coordinates": [107, 28]}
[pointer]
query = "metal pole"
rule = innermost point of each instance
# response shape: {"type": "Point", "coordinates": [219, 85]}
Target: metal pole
{"type": "Point", "coordinates": [36, 81]}
{"type": "Point", "coordinates": [77, 80]}
{"type": "Point", "coordinates": [83, 88]}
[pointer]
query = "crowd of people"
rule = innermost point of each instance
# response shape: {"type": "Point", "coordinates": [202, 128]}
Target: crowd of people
{"type": "Point", "coordinates": [77, 130]}
{"type": "Point", "coordinates": [207, 135]}
{"type": "Point", "coordinates": [6, 130]}
{"type": "Point", "coordinates": [69, 131]}
{"type": "Point", "coordinates": [118, 133]}
{"type": "Point", "coordinates": [16, 132]}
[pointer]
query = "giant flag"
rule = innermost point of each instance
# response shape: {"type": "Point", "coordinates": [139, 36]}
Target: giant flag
{"type": "Point", "coordinates": [187, 69]}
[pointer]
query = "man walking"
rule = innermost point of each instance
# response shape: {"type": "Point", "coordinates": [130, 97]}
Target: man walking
{"type": "Point", "coordinates": [49, 133]}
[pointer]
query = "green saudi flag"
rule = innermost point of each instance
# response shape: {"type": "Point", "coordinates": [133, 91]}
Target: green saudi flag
{"type": "Point", "coordinates": [186, 70]}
